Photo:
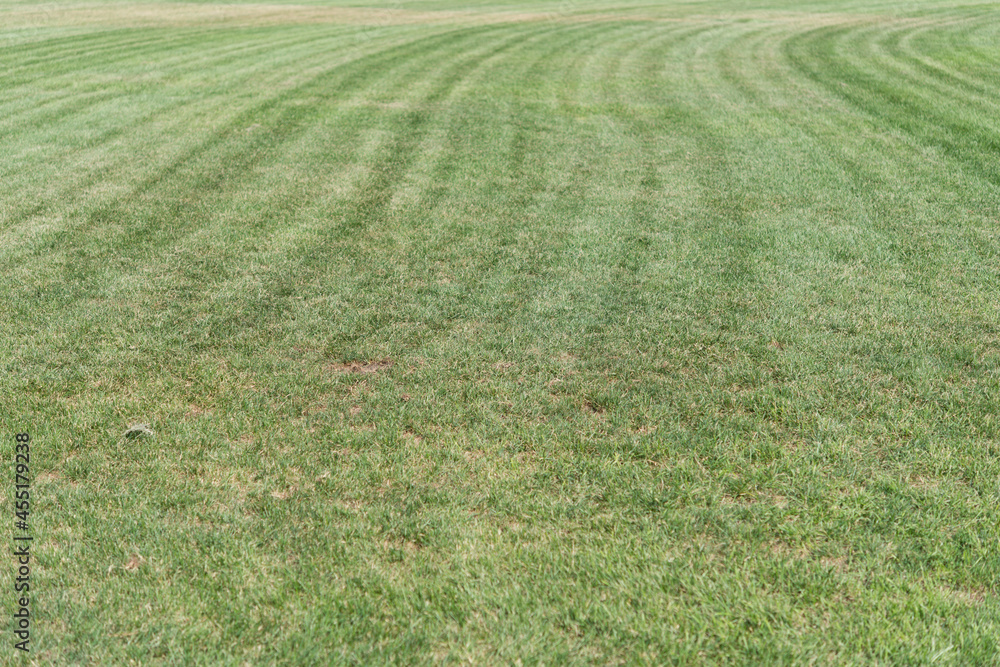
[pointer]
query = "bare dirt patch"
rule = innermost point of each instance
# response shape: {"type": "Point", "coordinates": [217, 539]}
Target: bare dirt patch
{"type": "Point", "coordinates": [362, 367]}
{"type": "Point", "coordinates": [134, 562]}
{"type": "Point", "coordinates": [195, 411]}
{"type": "Point", "coordinates": [286, 494]}
{"type": "Point", "coordinates": [412, 437]}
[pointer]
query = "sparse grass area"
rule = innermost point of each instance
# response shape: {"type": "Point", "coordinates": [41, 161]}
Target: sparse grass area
{"type": "Point", "coordinates": [580, 332]}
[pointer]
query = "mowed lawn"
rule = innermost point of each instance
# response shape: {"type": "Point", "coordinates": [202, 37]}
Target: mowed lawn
{"type": "Point", "coordinates": [579, 332]}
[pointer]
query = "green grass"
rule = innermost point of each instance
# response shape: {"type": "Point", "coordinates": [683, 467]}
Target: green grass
{"type": "Point", "coordinates": [586, 332]}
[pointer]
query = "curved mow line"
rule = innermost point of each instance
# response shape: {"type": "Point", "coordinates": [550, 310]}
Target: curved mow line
{"type": "Point", "coordinates": [630, 51]}
{"type": "Point", "coordinates": [909, 66]}
{"type": "Point", "coordinates": [399, 159]}
{"type": "Point", "coordinates": [218, 55]}
{"type": "Point", "coordinates": [884, 49]}
{"type": "Point", "coordinates": [363, 67]}
{"type": "Point", "coordinates": [520, 154]}
{"type": "Point", "coordinates": [760, 46]}
{"type": "Point", "coordinates": [968, 139]}
{"type": "Point", "coordinates": [653, 59]}
{"type": "Point", "coordinates": [984, 90]}
{"type": "Point", "coordinates": [739, 67]}
{"type": "Point", "coordinates": [769, 68]}
{"type": "Point", "coordinates": [985, 36]}
{"type": "Point", "coordinates": [642, 117]}
{"type": "Point", "coordinates": [558, 42]}
{"type": "Point", "coordinates": [59, 99]}
{"type": "Point", "coordinates": [854, 34]}
{"type": "Point", "coordinates": [418, 143]}
{"type": "Point", "coordinates": [78, 102]}
{"type": "Point", "coordinates": [241, 120]}
{"type": "Point", "coordinates": [882, 60]}
{"type": "Point", "coordinates": [398, 152]}
{"type": "Point", "coordinates": [93, 45]}
{"type": "Point", "coordinates": [775, 61]}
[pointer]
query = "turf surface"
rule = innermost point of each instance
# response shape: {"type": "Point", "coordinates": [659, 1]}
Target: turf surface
{"type": "Point", "coordinates": [569, 332]}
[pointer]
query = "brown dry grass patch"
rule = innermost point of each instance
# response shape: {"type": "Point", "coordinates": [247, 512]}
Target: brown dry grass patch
{"type": "Point", "coordinates": [363, 367]}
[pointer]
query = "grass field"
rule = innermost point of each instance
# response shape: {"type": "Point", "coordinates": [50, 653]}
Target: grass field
{"type": "Point", "coordinates": [580, 332]}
